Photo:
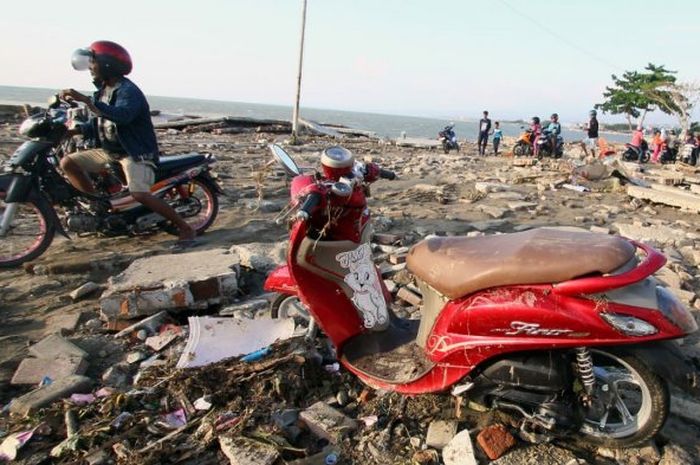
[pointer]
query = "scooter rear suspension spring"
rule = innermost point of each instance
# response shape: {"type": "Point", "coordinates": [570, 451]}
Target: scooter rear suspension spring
{"type": "Point", "coordinates": [584, 366]}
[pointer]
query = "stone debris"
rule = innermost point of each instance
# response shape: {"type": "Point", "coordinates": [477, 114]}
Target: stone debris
{"type": "Point", "coordinates": [45, 395]}
{"type": "Point", "coordinates": [326, 422]}
{"type": "Point", "coordinates": [84, 290]}
{"type": "Point", "coordinates": [459, 451]}
{"type": "Point", "coordinates": [440, 433]}
{"type": "Point", "coordinates": [683, 200]}
{"type": "Point", "coordinates": [35, 370]}
{"type": "Point", "coordinates": [53, 346]}
{"type": "Point", "coordinates": [171, 282]}
{"type": "Point", "coordinates": [244, 451]}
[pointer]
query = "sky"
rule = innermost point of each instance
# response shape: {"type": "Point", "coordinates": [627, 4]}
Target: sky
{"type": "Point", "coordinates": [516, 58]}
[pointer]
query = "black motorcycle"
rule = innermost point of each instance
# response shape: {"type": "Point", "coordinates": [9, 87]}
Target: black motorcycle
{"type": "Point", "coordinates": [36, 201]}
{"type": "Point", "coordinates": [633, 153]}
{"type": "Point", "coordinates": [448, 139]}
{"type": "Point", "coordinates": [544, 146]}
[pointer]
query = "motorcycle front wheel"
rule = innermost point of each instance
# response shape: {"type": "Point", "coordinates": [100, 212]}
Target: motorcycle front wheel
{"type": "Point", "coordinates": [629, 404]}
{"type": "Point", "coordinates": [518, 150]}
{"type": "Point", "coordinates": [29, 233]}
{"type": "Point", "coordinates": [197, 202]}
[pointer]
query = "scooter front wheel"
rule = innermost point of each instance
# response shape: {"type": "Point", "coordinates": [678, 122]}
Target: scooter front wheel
{"type": "Point", "coordinates": [629, 404]}
{"type": "Point", "coordinates": [289, 306]}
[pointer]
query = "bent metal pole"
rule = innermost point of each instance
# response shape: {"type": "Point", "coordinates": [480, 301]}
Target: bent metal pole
{"type": "Point", "coordinates": [295, 117]}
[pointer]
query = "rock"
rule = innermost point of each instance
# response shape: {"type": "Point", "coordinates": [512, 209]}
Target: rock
{"type": "Point", "coordinates": [425, 457]}
{"type": "Point", "coordinates": [45, 395]}
{"type": "Point", "coordinates": [260, 256]}
{"type": "Point", "coordinates": [326, 422]}
{"type": "Point", "coordinates": [647, 455]}
{"type": "Point", "coordinates": [409, 297]}
{"type": "Point", "coordinates": [53, 346]}
{"type": "Point", "coordinates": [599, 230]}
{"type": "Point", "coordinates": [495, 440]}
{"type": "Point", "coordinates": [64, 323]}
{"type": "Point", "coordinates": [34, 370]}
{"type": "Point", "coordinates": [94, 324]}
{"type": "Point", "coordinates": [668, 277]}
{"type": "Point", "coordinates": [84, 290]}
{"type": "Point", "coordinates": [660, 234]}
{"type": "Point", "coordinates": [244, 451]}
{"type": "Point", "coordinates": [177, 281]}
{"type": "Point", "coordinates": [116, 376]}
{"type": "Point", "coordinates": [251, 307]}
{"type": "Point", "coordinates": [162, 340]}
{"type": "Point", "coordinates": [492, 211]}
{"type": "Point", "coordinates": [488, 187]}
{"type": "Point", "coordinates": [673, 454]}
{"type": "Point", "coordinates": [440, 433]}
{"type": "Point", "coordinates": [135, 357]}
{"type": "Point", "coordinates": [516, 206]}
{"type": "Point", "coordinates": [541, 454]}
{"type": "Point", "coordinates": [459, 451]}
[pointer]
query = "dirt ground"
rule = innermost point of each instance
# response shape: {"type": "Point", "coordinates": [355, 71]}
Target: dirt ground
{"type": "Point", "coordinates": [436, 193]}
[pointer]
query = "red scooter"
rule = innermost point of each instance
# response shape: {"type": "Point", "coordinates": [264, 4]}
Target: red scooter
{"type": "Point", "coordinates": [567, 330]}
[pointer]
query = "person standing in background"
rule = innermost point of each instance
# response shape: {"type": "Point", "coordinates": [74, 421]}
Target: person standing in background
{"type": "Point", "coordinates": [592, 130]}
{"type": "Point", "coordinates": [484, 128]}
{"type": "Point", "coordinates": [497, 136]}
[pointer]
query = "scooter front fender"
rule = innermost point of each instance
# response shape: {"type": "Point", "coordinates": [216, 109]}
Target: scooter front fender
{"type": "Point", "coordinates": [666, 360]}
{"type": "Point", "coordinates": [281, 280]}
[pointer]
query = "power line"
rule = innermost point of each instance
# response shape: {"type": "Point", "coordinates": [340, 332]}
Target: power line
{"type": "Point", "coordinates": [560, 37]}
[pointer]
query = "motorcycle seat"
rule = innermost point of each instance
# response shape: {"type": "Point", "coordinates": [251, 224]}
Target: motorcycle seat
{"type": "Point", "coordinates": [170, 163]}
{"type": "Point", "coordinates": [458, 266]}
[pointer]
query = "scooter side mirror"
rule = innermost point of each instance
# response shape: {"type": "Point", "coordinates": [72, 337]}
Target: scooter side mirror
{"type": "Point", "coordinates": [285, 160]}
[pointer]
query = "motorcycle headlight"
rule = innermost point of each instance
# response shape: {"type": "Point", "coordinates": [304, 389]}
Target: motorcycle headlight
{"type": "Point", "coordinates": [629, 325]}
{"type": "Point", "coordinates": [674, 310]}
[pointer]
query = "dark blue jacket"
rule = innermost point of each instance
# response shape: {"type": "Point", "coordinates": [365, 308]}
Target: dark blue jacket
{"type": "Point", "coordinates": [129, 110]}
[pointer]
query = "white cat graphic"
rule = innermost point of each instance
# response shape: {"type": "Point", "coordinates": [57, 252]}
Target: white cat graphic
{"type": "Point", "coordinates": [364, 281]}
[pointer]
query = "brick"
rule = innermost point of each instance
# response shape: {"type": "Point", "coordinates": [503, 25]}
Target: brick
{"type": "Point", "coordinates": [33, 370]}
{"type": "Point", "coordinates": [409, 296]}
{"type": "Point", "coordinates": [45, 395]}
{"type": "Point", "coordinates": [326, 422]}
{"type": "Point", "coordinates": [440, 433]}
{"type": "Point", "coordinates": [53, 346]}
{"type": "Point", "coordinates": [244, 451]}
{"type": "Point", "coordinates": [495, 440]}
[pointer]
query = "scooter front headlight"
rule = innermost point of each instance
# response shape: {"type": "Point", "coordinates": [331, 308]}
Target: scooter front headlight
{"type": "Point", "coordinates": [674, 310]}
{"type": "Point", "coordinates": [629, 325]}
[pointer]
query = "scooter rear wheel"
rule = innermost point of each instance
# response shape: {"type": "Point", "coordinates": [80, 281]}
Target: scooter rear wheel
{"type": "Point", "coordinates": [630, 402]}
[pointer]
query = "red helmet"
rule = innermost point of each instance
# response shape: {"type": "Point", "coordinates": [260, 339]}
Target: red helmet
{"type": "Point", "coordinates": [112, 58]}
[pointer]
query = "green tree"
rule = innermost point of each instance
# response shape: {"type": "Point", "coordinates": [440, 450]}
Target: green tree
{"type": "Point", "coordinates": [630, 94]}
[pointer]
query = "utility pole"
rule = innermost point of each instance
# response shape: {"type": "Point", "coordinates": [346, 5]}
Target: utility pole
{"type": "Point", "coordinates": [295, 116]}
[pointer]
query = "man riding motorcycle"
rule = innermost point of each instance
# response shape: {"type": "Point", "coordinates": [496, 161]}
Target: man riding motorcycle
{"type": "Point", "coordinates": [122, 128]}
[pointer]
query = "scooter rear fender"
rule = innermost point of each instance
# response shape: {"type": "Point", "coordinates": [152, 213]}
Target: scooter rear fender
{"type": "Point", "coordinates": [281, 280]}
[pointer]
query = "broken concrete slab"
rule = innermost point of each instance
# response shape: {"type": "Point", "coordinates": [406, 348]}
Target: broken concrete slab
{"type": "Point", "coordinates": [244, 451]}
{"type": "Point", "coordinates": [260, 256]}
{"type": "Point", "coordinates": [326, 422]}
{"type": "Point", "coordinates": [440, 433]}
{"type": "Point", "coordinates": [459, 451]}
{"type": "Point", "coordinates": [176, 281]}
{"type": "Point", "coordinates": [657, 233]}
{"type": "Point", "coordinates": [45, 395]}
{"type": "Point", "coordinates": [541, 454]}
{"type": "Point", "coordinates": [53, 346]}
{"type": "Point", "coordinates": [683, 200]}
{"type": "Point", "coordinates": [34, 370]}
{"type": "Point", "coordinates": [63, 323]}
{"type": "Point", "coordinates": [493, 211]}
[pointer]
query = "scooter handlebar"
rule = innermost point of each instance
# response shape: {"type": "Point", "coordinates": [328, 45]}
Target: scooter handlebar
{"type": "Point", "coordinates": [386, 174]}
{"type": "Point", "coordinates": [307, 207]}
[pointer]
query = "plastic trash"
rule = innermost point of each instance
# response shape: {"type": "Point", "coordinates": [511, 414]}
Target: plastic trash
{"type": "Point", "coordinates": [331, 459]}
{"type": "Point", "coordinates": [255, 356]}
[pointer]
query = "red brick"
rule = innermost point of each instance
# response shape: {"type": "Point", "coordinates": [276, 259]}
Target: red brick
{"type": "Point", "coordinates": [495, 440]}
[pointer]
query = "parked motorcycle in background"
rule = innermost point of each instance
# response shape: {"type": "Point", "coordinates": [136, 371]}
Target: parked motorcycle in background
{"type": "Point", "coordinates": [566, 330]}
{"type": "Point", "coordinates": [634, 153]}
{"type": "Point", "coordinates": [524, 145]}
{"type": "Point", "coordinates": [448, 138]}
{"type": "Point", "coordinates": [544, 145]}
{"type": "Point", "coordinates": [36, 201]}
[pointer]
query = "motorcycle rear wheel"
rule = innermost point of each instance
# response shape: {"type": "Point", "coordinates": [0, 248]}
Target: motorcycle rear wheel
{"type": "Point", "coordinates": [199, 208]}
{"type": "Point", "coordinates": [30, 233]}
{"type": "Point", "coordinates": [518, 150]}
{"type": "Point", "coordinates": [630, 402]}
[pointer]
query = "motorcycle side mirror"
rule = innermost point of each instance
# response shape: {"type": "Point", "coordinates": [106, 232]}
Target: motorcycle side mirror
{"type": "Point", "coordinates": [285, 160]}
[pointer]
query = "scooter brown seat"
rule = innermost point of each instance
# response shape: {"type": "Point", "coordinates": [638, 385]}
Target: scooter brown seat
{"type": "Point", "coordinates": [457, 266]}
